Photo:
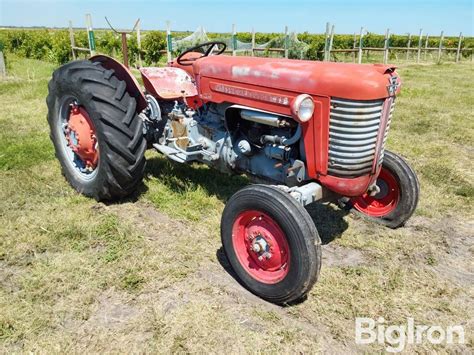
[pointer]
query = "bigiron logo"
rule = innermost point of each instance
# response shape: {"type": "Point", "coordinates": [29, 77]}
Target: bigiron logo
{"type": "Point", "coordinates": [396, 337]}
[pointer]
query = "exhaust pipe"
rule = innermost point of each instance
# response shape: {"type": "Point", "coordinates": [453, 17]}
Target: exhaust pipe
{"type": "Point", "coordinates": [263, 118]}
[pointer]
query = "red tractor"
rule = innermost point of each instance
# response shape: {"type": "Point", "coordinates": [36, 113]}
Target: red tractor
{"type": "Point", "coordinates": [304, 131]}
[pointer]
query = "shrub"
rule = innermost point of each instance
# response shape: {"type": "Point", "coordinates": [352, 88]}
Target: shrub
{"type": "Point", "coordinates": [154, 42]}
{"type": "Point", "coordinates": [54, 45]}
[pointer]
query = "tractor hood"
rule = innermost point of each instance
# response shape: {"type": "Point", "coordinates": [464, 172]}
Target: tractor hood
{"type": "Point", "coordinates": [343, 80]}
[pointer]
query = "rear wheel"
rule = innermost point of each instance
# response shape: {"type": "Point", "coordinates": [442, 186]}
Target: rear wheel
{"type": "Point", "coordinates": [96, 131]}
{"type": "Point", "coordinates": [398, 197]}
{"type": "Point", "coordinates": [271, 243]}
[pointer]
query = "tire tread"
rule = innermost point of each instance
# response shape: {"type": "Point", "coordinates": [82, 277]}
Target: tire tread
{"type": "Point", "coordinates": [113, 112]}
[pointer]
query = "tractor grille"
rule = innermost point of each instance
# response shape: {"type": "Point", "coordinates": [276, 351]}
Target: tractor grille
{"type": "Point", "coordinates": [353, 130]}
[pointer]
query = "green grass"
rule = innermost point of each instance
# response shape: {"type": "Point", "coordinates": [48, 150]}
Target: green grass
{"type": "Point", "coordinates": [147, 275]}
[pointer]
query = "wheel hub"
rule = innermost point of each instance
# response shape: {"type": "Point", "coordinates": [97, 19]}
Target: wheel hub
{"type": "Point", "coordinates": [382, 190]}
{"type": "Point", "coordinates": [81, 137]}
{"type": "Point", "coordinates": [261, 246]}
{"type": "Point", "coordinates": [384, 201]}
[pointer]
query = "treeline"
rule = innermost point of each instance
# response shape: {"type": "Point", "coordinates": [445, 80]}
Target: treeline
{"type": "Point", "coordinates": [55, 46]}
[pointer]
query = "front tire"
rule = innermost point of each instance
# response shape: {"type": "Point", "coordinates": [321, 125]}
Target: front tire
{"type": "Point", "coordinates": [398, 196]}
{"type": "Point", "coordinates": [107, 163]}
{"type": "Point", "coordinates": [271, 243]}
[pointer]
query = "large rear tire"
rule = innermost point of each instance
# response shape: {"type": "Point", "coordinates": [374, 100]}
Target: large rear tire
{"type": "Point", "coordinates": [107, 163]}
{"type": "Point", "coordinates": [271, 243]}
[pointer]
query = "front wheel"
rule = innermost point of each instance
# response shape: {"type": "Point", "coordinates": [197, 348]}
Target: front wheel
{"type": "Point", "coordinates": [271, 243]}
{"type": "Point", "coordinates": [398, 197]}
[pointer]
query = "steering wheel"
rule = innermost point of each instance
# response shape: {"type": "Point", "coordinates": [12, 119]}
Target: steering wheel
{"type": "Point", "coordinates": [205, 48]}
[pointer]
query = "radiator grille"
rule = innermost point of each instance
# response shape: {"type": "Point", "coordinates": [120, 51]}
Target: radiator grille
{"type": "Point", "coordinates": [353, 131]}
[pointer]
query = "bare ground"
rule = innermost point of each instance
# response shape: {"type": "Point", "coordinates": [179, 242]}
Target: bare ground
{"type": "Point", "coordinates": [147, 320]}
{"type": "Point", "coordinates": [212, 286]}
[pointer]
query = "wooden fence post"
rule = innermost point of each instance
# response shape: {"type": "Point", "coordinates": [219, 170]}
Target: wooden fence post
{"type": "Point", "coordinates": [90, 34]}
{"type": "Point", "coordinates": [408, 46]}
{"type": "Point", "coordinates": [139, 44]}
{"type": "Point", "coordinates": [330, 43]}
{"type": "Point", "coordinates": [440, 48]}
{"type": "Point", "coordinates": [169, 42]}
{"type": "Point", "coordinates": [326, 42]}
{"type": "Point", "coordinates": [124, 48]}
{"type": "Point", "coordinates": [426, 45]}
{"type": "Point", "coordinates": [3, 69]}
{"type": "Point", "coordinates": [354, 48]}
{"type": "Point", "coordinates": [458, 51]}
{"type": "Point", "coordinates": [234, 40]}
{"type": "Point", "coordinates": [385, 52]}
{"type": "Point", "coordinates": [73, 42]}
{"type": "Point", "coordinates": [420, 37]}
{"type": "Point", "coordinates": [360, 44]}
{"type": "Point", "coordinates": [253, 42]}
{"type": "Point", "coordinates": [286, 42]}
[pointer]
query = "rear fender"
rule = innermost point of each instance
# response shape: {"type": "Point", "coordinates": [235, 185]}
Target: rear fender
{"type": "Point", "coordinates": [168, 83]}
{"type": "Point", "coordinates": [123, 73]}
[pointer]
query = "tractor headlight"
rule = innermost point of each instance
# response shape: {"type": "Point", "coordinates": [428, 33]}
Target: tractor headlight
{"type": "Point", "coordinates": [303, 107]}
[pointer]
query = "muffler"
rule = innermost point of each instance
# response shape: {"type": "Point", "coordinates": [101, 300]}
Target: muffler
{"type": "Point", "coordinates": [263, 118]}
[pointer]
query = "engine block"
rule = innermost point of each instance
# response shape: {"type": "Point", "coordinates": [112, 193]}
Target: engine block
{"type": "Point", "coordinates": [263, 145]}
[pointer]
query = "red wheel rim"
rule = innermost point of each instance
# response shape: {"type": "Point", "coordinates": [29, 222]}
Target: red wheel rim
{"type": "Point", "coordinates": [261, 246]}
{"type": "Point", "coordinates": [383, 202]}
{"type": "Point", "coordinates": [81, 136]}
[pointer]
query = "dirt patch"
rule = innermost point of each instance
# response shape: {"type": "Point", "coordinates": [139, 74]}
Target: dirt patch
{"type": "Point", "coordinates": [116, 320]}
{"type": "Point", "coordinates": [8, 275]}
{"type": "Point", "coordinates": [112, 310]}
{"type": "Point", "coordinates": [213, 287]}
{"type": "Point", "coordinates": [153, 224]}
{"type": "Point", "coordinates": [450, 226]}
{"type": "Point", "coordinates": [336, 256]}
{"type": "Point", "coordinates": [456, 262]}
